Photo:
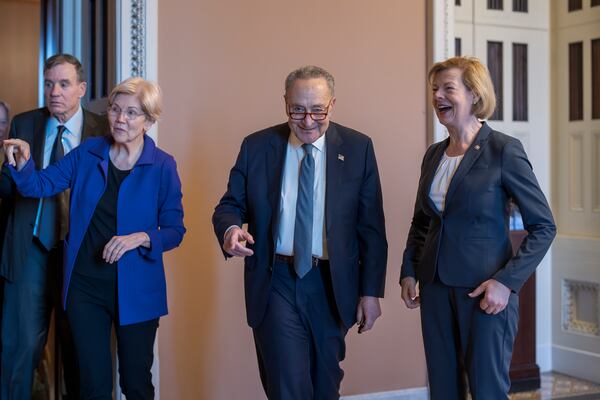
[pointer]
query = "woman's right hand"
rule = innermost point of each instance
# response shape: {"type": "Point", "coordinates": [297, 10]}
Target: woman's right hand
{"type": "Point", "coordinates": [409, 292]}
{"type": "Point", "coordinates": [17, 152]}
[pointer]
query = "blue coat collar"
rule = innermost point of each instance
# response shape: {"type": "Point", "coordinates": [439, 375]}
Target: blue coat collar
{"type": "Point", "coordinates": [102, 147]}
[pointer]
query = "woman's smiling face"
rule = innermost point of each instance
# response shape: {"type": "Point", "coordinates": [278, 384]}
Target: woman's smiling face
{"type": "Point", "coordinates": [451, 99]}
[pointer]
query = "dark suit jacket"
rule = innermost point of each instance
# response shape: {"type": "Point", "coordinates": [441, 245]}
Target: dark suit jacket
{"type": "Point", "coordinates": [30, 126]}
{"type": "Point", "coordinates": [354, 221]}
{"type": "Point", "coordinates": [468, 243]}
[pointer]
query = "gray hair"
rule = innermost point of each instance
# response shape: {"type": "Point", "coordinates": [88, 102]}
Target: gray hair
{"type": "Point", "coordinates": [6, 108]}
{"type": "Point", "coordinates": [309, 72]}
{"type": "Point", "coordinates": [64, 58]}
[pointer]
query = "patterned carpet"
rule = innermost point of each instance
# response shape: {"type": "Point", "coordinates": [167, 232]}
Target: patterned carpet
{"type": "Point", "coordinates": [563, 387]}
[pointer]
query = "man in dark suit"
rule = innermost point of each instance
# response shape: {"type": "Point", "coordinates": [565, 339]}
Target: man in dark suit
{"type": "Point", "coordinates": [5, 206]}
{"type": "Point", "coordinates": [32, 257]}
{"type": "Point", "coordinates": [316, 251]}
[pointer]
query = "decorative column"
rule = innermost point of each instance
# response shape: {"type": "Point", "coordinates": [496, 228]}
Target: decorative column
{"type": "Point", "coordinates": [137, 49]}
{"type": "Point", "coordinates": [440, 29]}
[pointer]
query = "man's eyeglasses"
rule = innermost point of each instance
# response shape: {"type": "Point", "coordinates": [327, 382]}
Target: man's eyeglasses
{"type": "Point", "coordinates": [130, 114]}
{"type": "Point", "coordinates": [297, 115]}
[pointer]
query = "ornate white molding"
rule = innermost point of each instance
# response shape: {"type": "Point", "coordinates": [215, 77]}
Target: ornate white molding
{"type": "Point", "coordinates": [570, 316]}
{"type": "Point", "coordinates": [137, 50]}
{"type": "Point", "coordinates": [448, 29]}
{"type": "Point", "coordinates": [137, 40]}
{"type": "Point", "coordinates": [441, 30]}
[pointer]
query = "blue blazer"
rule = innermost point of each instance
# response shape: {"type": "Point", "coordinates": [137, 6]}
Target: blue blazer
{"type": "Point", "coordinates": [468, 242]}
{"type": "Point", "coordinates": [149, 201]}
{"type": "Point", "coordinates": [354, 221]}
{"type": "Point", "coordinates": [30, 126]}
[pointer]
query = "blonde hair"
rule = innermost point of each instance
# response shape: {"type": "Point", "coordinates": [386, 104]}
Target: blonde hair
{"type": "Point", "coordinates": [148, 93]}
{"type": "Point", "coordinates": [475, 77]}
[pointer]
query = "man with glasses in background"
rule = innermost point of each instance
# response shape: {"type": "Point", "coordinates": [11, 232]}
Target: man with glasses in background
{"type": "Point", "coordinates": [315, 249]}
{"type": "Point", "coordinates": [32, 253]}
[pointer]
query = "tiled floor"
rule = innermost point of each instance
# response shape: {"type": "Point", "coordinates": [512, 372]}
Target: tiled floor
{"type": "Point", "coordinates": [558, 386]}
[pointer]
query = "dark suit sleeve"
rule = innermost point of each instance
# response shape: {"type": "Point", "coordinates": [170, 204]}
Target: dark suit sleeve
{"type": "Point", "coordinates": [7, 188]}
{"type": "Point", "coordinates": [419, 228]}
{"type": "Point", "coordinates": [520, 183]}
{"type": "Point", "coordinates": [371, 230]}
{"type": "Point", "coordinates": [417, 233]}
{"type": "Point", "coordinates": [231, 210]}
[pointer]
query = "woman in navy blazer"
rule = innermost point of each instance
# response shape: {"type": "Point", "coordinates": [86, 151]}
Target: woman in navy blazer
{"type": "Point", "coordinates": [125, 211]}
{"type": "Point", "coordinates": [458, 246]}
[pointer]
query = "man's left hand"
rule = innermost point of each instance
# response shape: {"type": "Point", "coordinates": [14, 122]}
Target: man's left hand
{"type": "Point", "coordinates": [367, 312]}
{"type": "Point", "coordinates": [495, 296]}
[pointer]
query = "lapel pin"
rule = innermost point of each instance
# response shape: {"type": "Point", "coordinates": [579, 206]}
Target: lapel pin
{"type": "Point", "coordinates": [341, 157]}
{"type": "Point", "coordinates": [477, 147]}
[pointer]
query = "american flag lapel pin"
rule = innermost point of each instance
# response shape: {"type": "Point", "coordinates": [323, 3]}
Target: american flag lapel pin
{"type": "Point", "coordinates": [341, 157]}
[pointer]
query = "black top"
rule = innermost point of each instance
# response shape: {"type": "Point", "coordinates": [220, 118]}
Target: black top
{"type": "Point", "coordinates": [102, 228]}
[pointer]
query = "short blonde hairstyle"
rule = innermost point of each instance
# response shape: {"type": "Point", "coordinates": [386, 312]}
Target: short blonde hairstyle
{"type": "Point", "coordinates": [475, 77]}
{"type": "Point", "coordinates": [148, 93]}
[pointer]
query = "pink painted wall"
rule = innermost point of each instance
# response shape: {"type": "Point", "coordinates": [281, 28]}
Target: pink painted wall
{"type": "Point", "coordinates": [19, 52]}
{"type": "Point", "coordinates": [222, 64]}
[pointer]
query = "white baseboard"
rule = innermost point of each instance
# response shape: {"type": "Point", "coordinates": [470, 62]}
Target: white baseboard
{"type": "Point", "coordinates": [577, 363]}
{"type": "Point", "coordinates": [404, 394]}
{"type": "Point", "coordinates": [544, 357]}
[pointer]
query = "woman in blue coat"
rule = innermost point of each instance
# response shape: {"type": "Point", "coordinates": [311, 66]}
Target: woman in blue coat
{"type": "Point", "coordinates": [458, 246]}
{"type": "Point", "coordinates": [125, 211]}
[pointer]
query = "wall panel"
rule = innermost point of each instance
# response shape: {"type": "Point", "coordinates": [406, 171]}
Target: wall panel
{"type": "Point", "coordinates": [222, 65]}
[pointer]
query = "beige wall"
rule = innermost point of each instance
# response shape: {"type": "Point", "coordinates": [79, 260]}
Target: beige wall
{"type": "Point", "coordinates": [221, 65]}
{"type": "Point", "coordinates": [19, 53]}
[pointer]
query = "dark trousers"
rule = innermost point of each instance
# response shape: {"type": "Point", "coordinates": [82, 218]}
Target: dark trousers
{"type": "Point", "coordinates": [27, 306]}
{"type": "Point", "coordinates": [461, 340]}
{"type": "Point", "coordinates": [300, 342]}
{"type": "Point", "coordinates": [92, 308]}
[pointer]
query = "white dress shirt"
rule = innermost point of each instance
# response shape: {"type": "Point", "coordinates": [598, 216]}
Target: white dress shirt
{"type": "Point", "coordinates": [442, 179]}
{"type": "Point", "coordinates": [289, 194]}
{"type": "Point", "coordinates": [71, 136]}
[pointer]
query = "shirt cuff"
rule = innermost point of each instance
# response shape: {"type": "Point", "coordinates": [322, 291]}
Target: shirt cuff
{"type": "Point", "coordinates": [228, 229]}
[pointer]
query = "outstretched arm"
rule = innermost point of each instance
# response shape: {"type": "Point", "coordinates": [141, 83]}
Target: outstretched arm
{"type": "Point", "coordinates": [31, 183]}
{"type": "Point", "coordinates": [230, 213]}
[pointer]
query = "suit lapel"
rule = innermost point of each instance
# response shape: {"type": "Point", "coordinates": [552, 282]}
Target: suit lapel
{"type": "Point", "coordinates": [38, 140]}
{"type": "Point", "coordinates": [89, 126]}
{"type": "Point", "coordinates": [430, 170]}
{"type": "Point", "coordinates": [274, 169]}
{"type": "Point", "coordinates": [471, 155]}
{"type": "Point", "coordinates": [334, 164]}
